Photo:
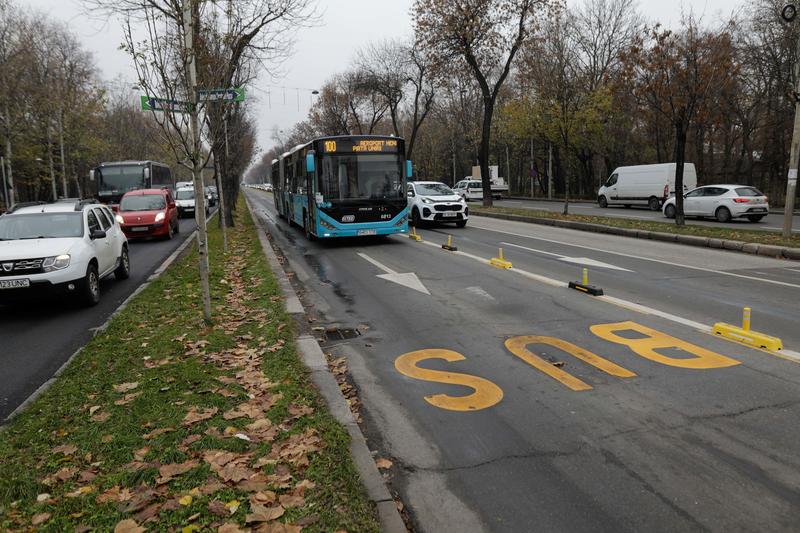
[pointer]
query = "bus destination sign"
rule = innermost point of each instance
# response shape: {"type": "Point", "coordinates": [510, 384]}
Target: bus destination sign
{"type": "Point", "coordinates": [360, 145]}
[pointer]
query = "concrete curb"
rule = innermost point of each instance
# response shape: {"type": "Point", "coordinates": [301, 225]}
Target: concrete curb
{"type": "Point", "coordinates": [780, 252]}
{"type": "Point", "coordinates": [101, 328]}
{"type": "Point", "coordinates": [584, 201]}
{"type": "Point", "coordinates": [314, 359]}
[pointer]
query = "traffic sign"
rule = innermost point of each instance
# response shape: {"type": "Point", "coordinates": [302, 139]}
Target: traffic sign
{"type": "Point", "coordinates": [150, 103]}
{"type": "Point", "coordinates": [235, 94]}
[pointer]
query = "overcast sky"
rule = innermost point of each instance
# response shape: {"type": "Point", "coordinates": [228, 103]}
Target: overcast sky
{"type": "Point", "coordinates": [320, 52]}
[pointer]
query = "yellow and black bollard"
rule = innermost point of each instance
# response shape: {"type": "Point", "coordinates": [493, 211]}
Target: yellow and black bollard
{"type": "Point", "coordinates": [584, 286]}
{"type": "Point", "coordinates": [449, 246]}
{"type": "Point", "coordinates": [413, 235]}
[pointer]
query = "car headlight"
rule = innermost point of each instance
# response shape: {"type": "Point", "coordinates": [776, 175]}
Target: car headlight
{"type": "Point", "coordinates": [58, 262]}
{"type": "Point", "coordinates": [160, 217]}
{"type": "Point", "coordinates": [427, 201]}
{"type": "Point", "coordinates": [120, 219]}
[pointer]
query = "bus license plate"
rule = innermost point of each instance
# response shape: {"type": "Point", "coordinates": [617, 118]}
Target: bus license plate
{"type": "Point", "coordinates": [362, 232]}
{"type": "Point", "coordinates": [15, 283]}
{"type": "Point", "coordinates": [451, 214]}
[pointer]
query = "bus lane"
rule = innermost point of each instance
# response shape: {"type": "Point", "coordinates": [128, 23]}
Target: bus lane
{"type": "Point", "coordinates": [512, 405]}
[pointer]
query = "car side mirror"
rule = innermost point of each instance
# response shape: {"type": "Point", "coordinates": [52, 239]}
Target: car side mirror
{"type": "Point", "coordinates": [411, 194]}
{"type": "Point", "coordinates": [97, 234]}
{"type": "Point", "coordinates": [115, 208]}
{"type": "Point", "coordinates": [172, 205]}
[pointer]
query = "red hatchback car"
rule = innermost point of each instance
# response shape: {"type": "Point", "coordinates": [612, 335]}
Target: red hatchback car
{"type": "Point", "coordinates": [148, 213]}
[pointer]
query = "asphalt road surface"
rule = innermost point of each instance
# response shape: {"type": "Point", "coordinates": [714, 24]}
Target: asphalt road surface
{"type": "Point", "coordinates": [772, 222]}
{"type": "Point", "coordinates": [510, 403]}
{"type": "Point", "coordinates": [36, 338]}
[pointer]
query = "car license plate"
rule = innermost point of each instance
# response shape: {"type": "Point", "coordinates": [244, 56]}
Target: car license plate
{"type": "Point", "coordinates": [15, 283]}
{"type": "Point", "coordinates": [367, 232]}
{"type": "Point", "coordinates": [140, 228]}
{"type": "Point", "coordinates": [449, 214]}
{"type": "Point", "coordinates": [759, 209]}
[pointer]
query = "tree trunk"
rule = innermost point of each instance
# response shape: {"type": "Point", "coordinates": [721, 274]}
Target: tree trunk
{"type": "Point", "coordinates": [680, 156]}
{"type": "Point", "coordinates": [63, 160]}
{"type": "Point", "coordinates": [483, 153]}
{"type": "Point", "coordinates": [50, 162]}
{"type": "Point", "coordinates": [9, 168]}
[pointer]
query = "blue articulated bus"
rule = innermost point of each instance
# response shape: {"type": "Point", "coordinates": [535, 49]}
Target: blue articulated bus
{"type": "Point", "coordinates": [346, 186]}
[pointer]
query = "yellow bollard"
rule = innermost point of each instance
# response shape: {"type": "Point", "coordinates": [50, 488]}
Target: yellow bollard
{"type": "Point", "coordinates": [746, 319]}
{"type": "Point", "coordinates": [413, 235]}
{"type": "Point", "coordinates": [500, 261]}
{"type": "Point", "coordinates": [449, 246]}
{"type": "Point", "coordinates": [449, 240]}
{"type": "Point", "coordinates": [585, 276]}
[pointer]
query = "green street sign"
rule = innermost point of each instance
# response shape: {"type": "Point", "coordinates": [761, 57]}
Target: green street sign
{"type": "Point", "coordinates": [235, 94]}
{"type": "Point", "coordinates": [150, 103]}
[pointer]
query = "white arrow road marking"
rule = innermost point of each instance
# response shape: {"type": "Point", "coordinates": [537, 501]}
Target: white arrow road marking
{"type": "Point", "coordinates": [585, 261]}
{"type": "Point", "coordinates": [478, 291]}
{"type": "Point", "coordinates": [408, 280]}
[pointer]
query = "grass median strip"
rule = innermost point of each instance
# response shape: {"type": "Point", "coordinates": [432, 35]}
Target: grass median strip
{"type": "Point", "coordinates": [761, 237]}
{"type": "Point", "coordinates": [163, 423]}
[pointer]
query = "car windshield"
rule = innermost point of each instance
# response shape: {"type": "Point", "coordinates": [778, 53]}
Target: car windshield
{"type": "Point", "coordinates": [358, 177]}
{"type": "Point", "coordinates": [147, 202]}
{"type": "Point", "coordinates": [433, 189]}
{"type": "Point", "coordinates": [748, 191]}
{"type": "Point", "coordinates": [41, 226]}
{"type": "Point", "coordinates": [185, 194]}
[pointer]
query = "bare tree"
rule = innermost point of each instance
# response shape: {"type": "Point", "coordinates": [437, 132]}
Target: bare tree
{"type": "Point", "coordinates": [486, 34]}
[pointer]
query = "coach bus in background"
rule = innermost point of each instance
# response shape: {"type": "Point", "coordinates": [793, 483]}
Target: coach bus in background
{"type": "Point", "coordinates": [345, 186]}
{"type": "Point", "coordinates": [112, 180]}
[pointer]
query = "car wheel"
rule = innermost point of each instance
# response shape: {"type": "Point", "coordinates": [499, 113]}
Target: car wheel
{"type": "Point", "coordinates": [669, 211]}
{"type": "Point", "coordinates": [654, 204]}
{"type": "Point", "coordinates": [461, 223]}
{"type": "Point", "coordinates": [123, 271]}
{"type": "Point", "coordinates": [723, 214]}
{"type": "Point", "coordinates": [90, 287]}
{"type": "Point", "coordinates": [416, 220]}
{"type": "Point", "coordinates": [602, 202]}
{"type": "Point", "coordinates": [755, 218]}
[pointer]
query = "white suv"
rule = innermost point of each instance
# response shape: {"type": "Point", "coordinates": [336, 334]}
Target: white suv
{"type": "Point", "coordinates": [433, 201]}
{"type": "Point", "coordinates": [63, 248]}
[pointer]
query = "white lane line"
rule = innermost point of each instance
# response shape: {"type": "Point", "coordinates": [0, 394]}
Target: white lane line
{"type": "Point", "coordinates": [478, 291]}
{"type": "Point", "coordinates": [794, 269]}
{"type": "Point", "coordinates": [633, 306]}
{"type": "Point", "coordinates": [661, 261]}
{"type": "Point", "coordinates": [585, 261]}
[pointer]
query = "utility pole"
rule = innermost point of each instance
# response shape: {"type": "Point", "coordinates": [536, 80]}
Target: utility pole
{"type": "Point", "coordinates": [533, 166]}
{"type": "Point", "coordinates": [550, 173]}
{"type": "Point", "coordinates": [789, 13]}
{"type": "Point", "coordinates": [189, 25]}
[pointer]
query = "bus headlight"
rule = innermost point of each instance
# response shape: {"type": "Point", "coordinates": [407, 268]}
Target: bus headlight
{"type": "Point", "coordinates": [58, 262]}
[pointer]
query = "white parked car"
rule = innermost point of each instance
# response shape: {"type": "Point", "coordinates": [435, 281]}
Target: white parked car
{"type": "Point", "coordinates": [723, 202]}
{"type": "Point", "coordinates": [469, 189]}
{"type": "Point", "coordinates": [60, 248]}
{"type": "Point", "coordinates": [183, 185]}
{"type": "Point", "coordinates": [432, 201]}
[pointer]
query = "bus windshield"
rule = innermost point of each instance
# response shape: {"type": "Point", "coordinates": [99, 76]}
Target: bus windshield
{"type": "Point", "coordinates": [361, 177]}
{"type": "Point", "coordinates": [121, 179]}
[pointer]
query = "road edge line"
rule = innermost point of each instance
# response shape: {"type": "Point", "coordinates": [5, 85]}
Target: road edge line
{"type": "Point", "coordinates": [99, 329]}
{"type": "Point", "coordinates": [314, 360]}
{"type": "Point", "coordinates": [750, 248]}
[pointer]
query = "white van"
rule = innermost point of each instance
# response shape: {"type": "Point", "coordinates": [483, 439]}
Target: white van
{"type": "Point", "coordinates": [648, 185]}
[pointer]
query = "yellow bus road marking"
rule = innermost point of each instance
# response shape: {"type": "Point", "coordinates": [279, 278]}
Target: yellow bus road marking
{"type": "Point", "coordinates": [485, 395]}
{"type": "Point", "coordinates": [519, 347]}
{"type": "Point", "coordinates": [655, 340]}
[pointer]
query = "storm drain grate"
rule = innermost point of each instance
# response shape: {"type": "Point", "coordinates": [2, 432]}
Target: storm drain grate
{"type": "Point", "coordinates": [340, 334]}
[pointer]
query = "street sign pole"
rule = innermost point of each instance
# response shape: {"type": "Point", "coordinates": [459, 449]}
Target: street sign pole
{"type": "Point", "coordinates": [789, 13]}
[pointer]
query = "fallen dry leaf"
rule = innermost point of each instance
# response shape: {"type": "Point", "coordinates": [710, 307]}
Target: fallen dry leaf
{"type": "Point", "coordinates": [263, 514]}
{"type": "Point", "coordinates": [218, 508]}
{"type": "Point", "coordinates": [40, 518]}
{"type": "Point", "coordinates": [140, 454]}
{"type": "Point", "coordinates": [107, 438]}
{"type": "Point", "coordinates": [81, 491]}
{"type": "Point", "coordinates": [384, 463]}
{"type": "Point", "coordinates": [194, 416]}
{"type": "Point", "coordinates": [156, 432]}
{"type": "Point", "coordinates": [94, 408]}
{"type": "Point", "coordinates": [234, 473]}
{"type": "Point", "coordinates": [65, 449]}
{"type": "Point", "coordinates": [169, 471]}
{"type": "Point", "coordinates": [101, 417]}
{"type": "Point", "coordinates": [128, 526]}
{"type": "Point", "coordinates": [43, 497]}
{"type": "Point", "coordinates": [125, 387]}
{"type": "Point", "coordinates": [186, 500]}
{"type": "Point", "coordinates": [128, 398]}
{"type": "Point", "coordinates": [230, 528]}
{"type": "Point", "coordinates": [290, 500]}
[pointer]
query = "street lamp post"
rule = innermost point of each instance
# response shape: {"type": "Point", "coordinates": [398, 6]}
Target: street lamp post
{"type": "Point", "coordinates": [789, 13]}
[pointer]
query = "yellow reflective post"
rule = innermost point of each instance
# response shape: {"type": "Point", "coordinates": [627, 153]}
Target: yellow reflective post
{"type": "Point", "coordinates": [449, 246]}
{"type": "Point", "coordinates": [746, 319]}
{"type": "Point", "coordinates": [585, 276]}
{"type": "Point", "coordinates": [500, 261]}
{"type": "Point", "coordinates": [413, 235]}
